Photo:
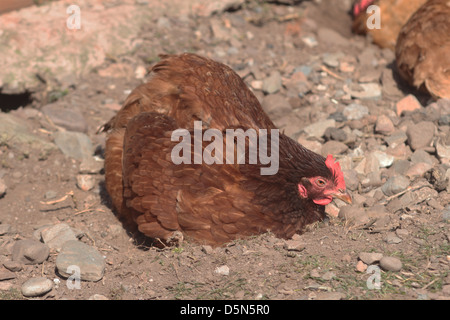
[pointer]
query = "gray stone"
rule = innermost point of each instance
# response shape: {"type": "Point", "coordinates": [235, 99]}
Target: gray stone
{"type": "Point", "coordinates": [55, 236]}
{"type": "Point", "coordinates": [15, 131]}
{"type": "Point", "coordinates": [7, 275]}
{"type": "Point", "coordinates": [384, 160]}
{"type": "Point", "coordinates": [29, 251]}
{"type": "Point", "coordinates": [13, 266]}
{"type": "Point", "coordinates": [75, 145]}
{"type": "Point", "coordinates": [272, 83]}
{"type": "Point", "coordinates": [36, 287]}
{"type": "Point", "coordinates": [5, 229]}
{"type": "Point", "coordinates": [446, 214]}
{"type": "Point", "coordinates": [3, 188]}
{"type": "Point", "coordinates": [355, 111]}
{"type": "Point", "coordinates": [395, 185]}
{"type": "Point", "coordinates": [396, 138]}
{"type": "Point", "coordinates": [69, 118]}
{"type": "Point", "coordinates": [351, 179]}
{"type": "Point", "coordinates": [222, 270]}
{"type": "Point", "coordinates": [335, 134]}
{"type": "Point", "coordinates": [370, 257]}
{"type": "Point", "coordinates": [318, 129]}
{"type": "Point", "coordinates": [76, 254]}
{"type": "Point", "coordinates": [333, 147]}
{"type": "Point", "coordinates": [421, 156]}
{"type": "Point", "coordinates": [391, 264]}
{"type": "Point", "coordinates": [391, 238]}
{"type": "Point", "coordinates": [331, 37]}
{"type": "Point", "coordinates": [420, 135]}
{"type": "Point", "coordinates": [366, 91]}
{"type": "Point", "coordinates": [275, 105]}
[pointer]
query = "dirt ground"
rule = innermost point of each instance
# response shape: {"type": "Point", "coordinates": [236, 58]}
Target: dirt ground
{"type": "Point", "coordinates": [319, 264]}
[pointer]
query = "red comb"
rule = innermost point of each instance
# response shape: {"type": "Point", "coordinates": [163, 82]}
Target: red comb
{"type": "Point", "coordinates": [361, 6]}
{"type": "Point", "coordinates": [335, 168]}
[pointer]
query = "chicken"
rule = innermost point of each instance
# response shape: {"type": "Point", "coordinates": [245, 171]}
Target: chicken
{"type": "Point", "coordinates": [423, 49]}
{"type": "Point", "coordinates": [209, 203]}
{"type": "Point", "coordinates": [393, 15]}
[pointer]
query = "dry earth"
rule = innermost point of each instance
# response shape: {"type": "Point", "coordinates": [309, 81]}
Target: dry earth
{"type": "Point", "coordinates": [312, 69]}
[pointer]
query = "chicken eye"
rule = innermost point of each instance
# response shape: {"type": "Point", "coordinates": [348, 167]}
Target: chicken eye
{"type": "Point", "coordinates": [320, 182]}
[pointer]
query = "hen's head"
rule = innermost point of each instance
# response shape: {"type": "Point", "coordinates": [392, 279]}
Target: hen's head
{"type": "Point", "coordinates": [360, 6]}
{"type": "Point", "coordinates": [322, 189]}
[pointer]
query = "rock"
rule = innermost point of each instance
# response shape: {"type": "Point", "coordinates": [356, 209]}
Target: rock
{"type": "Point", "coordinates": [331, 37]}
{"type": "Point", "coordinates": [395, 185]}
{"type": "Point", "coordinates": [417, 170]}
{"type": "Point", "coordinates": [6, 275]}
{"type": "Point", "coordinates": [384, 125]}
{"type": "Point", "coordinates": [85, 182]}
{"type": "Point", "coordinates": [13, 266]}
{"type": "Point", "coordinates": [272, 83]}
{"type": "Point", "coordinates": [222, 270]}
{"type": "Point", "coordinates": [370, 257]}
{"type": "Point", "coordinates": [50, 194]}
{"type": "Point", "coordinates": [330, 296]}
{"type": "Point", "coordinates": [15, 132]}
{"type": "Point", "coordinates": [400, 167]}
{"type": "Point", "coordinates": [396, 138]}
{"type": "Point", "coordinates": [351, 179]}
{"type": "Point", "coordinates": [90, 262]}
{"type": "Point", "coordinates": [402, 233]}
{"type": "Point", "coordinates": [384, 160]}
{"type": "Point", "coordinates": [5, 229]}
{"type": "Point", "coordinates": [163, 23]}
{"type": "Point", "coordinates": [207, 249]}
{"type": "Point", "coordinates": [332, 59]}
{"type": "Point", "coordinates": [75, 145]}
{"type": "Point", "coordinates": [318, 129]}
{"type": "Point", "coordinates": [361, 266]}
{"type": "Point", "coordinates": [69, 118]}
{"type": "Point", "coordinates": [312, 145]}
{"type": "Point", "coordinates": [408, 103]}
{"type": "Point", "coordinates": [36, 287]}
{"type": "Point", "coordinates": [29, 251]}
{"type": "Point", "coordinates": [335, 134]}
{"type": "Point", "coordinates": [391, 264]}
{"type": "Point", "coordinates": [275, 105]}
{"type": "Point", "coordinates": [3, 188]}
{"type": "Point", "coordinates": [366, 91]}
{"type": "Point", "coordinates": [442, 150]}
{"type": "Point", "coordinates": [420, 155]}
{"type": "Point", "coordinates": [294, 245]}
{"type": "Point", "coordinates": [256, 84]}
{"type": "Point", "coordinates": [420, 135]}
{"type": "Point", "coordinates": [391, 238]}
{"type": "Point", "coordinates": [297, 84]}
{"type": "Point", "coordinates": [91, 165]}
{"type": "Point", "coordinates": [333, 147]}
{"type": "Point", "coordinates": [98, 297]}
{"type": "Point", "coordinates": [355, 111]}
{"type": "Point", "coordinates": [446, 214]}
{"type": "Point", "coordinates": [55, 236]}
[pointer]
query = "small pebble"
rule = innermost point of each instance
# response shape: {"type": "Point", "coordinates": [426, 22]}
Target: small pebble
{"type": "Point", "coordinates": [361, 266]}
{"type": "Point", "coordinates": [391, 264]}
{"type": "Point", "coordinates": [370, 257]}
{"type": "Point", "coordinates": [36, 287]}
{"type": "Point", "coordinates": [222, 270]}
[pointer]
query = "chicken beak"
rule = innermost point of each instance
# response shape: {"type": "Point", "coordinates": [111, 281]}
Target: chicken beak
{"type": "Point", "coordinates": [344, 196]}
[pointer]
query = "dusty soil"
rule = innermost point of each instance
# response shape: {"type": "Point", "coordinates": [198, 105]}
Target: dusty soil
{"type": "Point", "coordinates": [263, 267]}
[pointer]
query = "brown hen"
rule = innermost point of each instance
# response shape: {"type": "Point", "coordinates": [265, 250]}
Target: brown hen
{"type": "Point", "coordinates": [393, 14]}
{"type": "Point", "coordinates": [423, 49]}
{"type": "Point", "coordinates": [210, 203]}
